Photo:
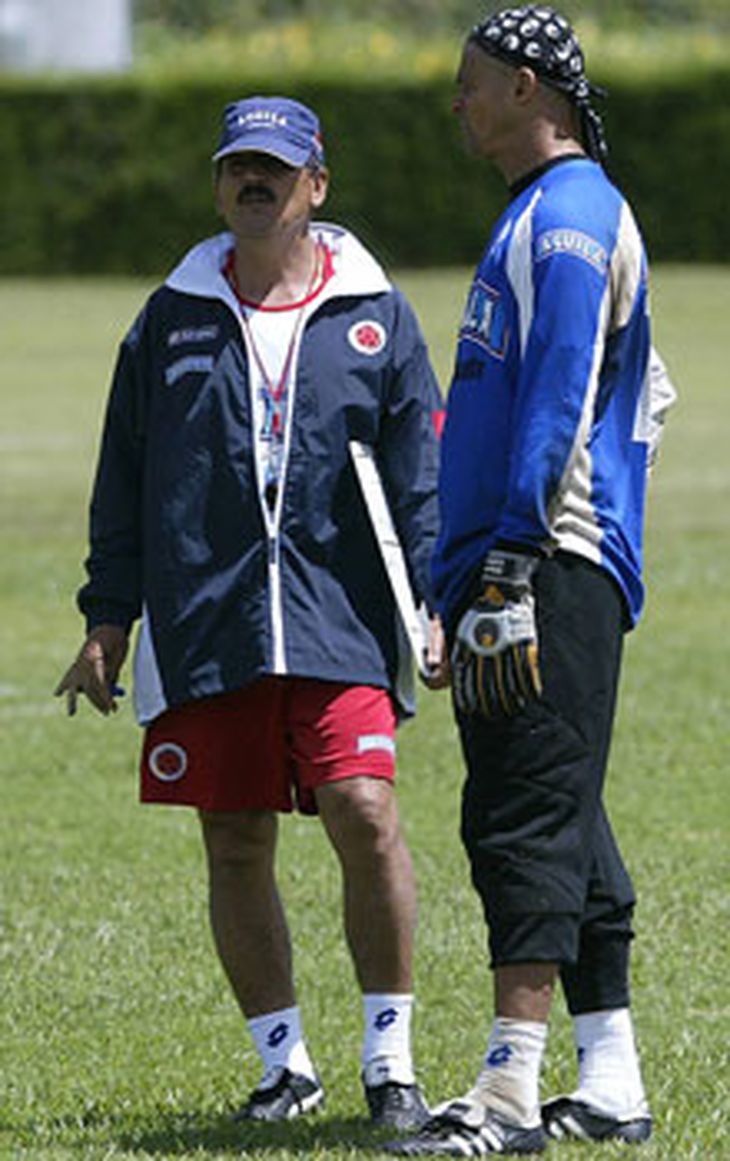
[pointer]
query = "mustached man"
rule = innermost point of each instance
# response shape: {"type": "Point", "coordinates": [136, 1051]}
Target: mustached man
{"type": "Point", "coordinates": [226, 520]}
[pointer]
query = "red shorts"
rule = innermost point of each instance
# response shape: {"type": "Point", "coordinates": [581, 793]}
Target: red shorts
{"type": "Point", "coordinates": [268, 746]}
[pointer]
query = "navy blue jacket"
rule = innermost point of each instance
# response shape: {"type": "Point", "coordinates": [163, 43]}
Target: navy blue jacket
{"type": "Point", "coordinates": [179, 534]}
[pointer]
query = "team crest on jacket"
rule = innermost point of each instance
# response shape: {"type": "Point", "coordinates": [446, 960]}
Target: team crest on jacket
{"type": "Point", "coordinates": [367, 337]}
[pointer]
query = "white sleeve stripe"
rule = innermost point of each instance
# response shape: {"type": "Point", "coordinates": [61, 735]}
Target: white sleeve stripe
{"type": "Point", "coordinates": [626, 270]}
{"type": "Point", "coordinates": [573, 518]}
{"type": "Point", "coordinates": [519, 270]}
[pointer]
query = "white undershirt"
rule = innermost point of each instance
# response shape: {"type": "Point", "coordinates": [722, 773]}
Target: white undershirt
{"type": "Point", "coordinates": [272, 333]}
{"type": "Point", "coordinates": [273, 340]}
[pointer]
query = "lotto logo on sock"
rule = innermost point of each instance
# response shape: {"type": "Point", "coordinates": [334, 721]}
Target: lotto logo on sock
{"type": "Point", "coordinates": [277, 1035]}
{"type": "Point", "coordinates": [385, 1018]}
{"type": "Point", "coordinates": [498, 1057]}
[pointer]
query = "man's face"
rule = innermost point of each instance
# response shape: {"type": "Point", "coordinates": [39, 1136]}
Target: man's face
{"type": "Point", "coordinates": [259, 195]}
{"type": "Point", "coordinates": [484, 102]}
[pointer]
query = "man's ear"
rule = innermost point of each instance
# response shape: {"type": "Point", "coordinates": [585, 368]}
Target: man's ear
{"type": "Point", "coordinates": [320, 185]}
{"type": "Point", "coordinates": [526, 84]}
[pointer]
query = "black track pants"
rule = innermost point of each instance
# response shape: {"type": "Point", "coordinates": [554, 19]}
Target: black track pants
{"type": "Point", "coordinates": [544, 860]}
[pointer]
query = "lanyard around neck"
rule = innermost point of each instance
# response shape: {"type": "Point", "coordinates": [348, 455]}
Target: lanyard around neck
{"type": "Point", "coordinates": [274, 389]}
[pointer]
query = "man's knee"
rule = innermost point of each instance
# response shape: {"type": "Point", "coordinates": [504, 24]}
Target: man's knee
{"type": "Point", "coordinates": [360, 813]}
{"type": "Point", "coordinates": [239, 839]}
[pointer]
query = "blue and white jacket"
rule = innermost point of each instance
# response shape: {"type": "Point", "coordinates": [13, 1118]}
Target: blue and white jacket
{"type": "Point", "coordinates": [553, 412]}
{"type": "Point", "coordinates": [180, 536]}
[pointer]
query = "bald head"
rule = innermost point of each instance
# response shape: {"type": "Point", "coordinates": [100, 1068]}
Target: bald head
{"type": "Point", "coordinates": [540, 38]}
{"type": "Point", "coordinates": [509, 116]}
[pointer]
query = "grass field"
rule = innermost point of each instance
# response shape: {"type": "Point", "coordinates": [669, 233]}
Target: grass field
{"type": "Point", "coordinates": [118, 1037]}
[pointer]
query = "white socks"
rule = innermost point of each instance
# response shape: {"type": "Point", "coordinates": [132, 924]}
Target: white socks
{"type": "Point", "coordinates": [609, 1077]}
{"type": "Point", "coordinates": [279, 1042]}
{"type": "Point", "coordinates": [386, 1049]}
{"type": "Point", "coordinates": [508, 1083]}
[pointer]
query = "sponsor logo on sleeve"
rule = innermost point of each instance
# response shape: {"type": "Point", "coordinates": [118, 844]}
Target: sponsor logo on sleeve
{"type": "Point", "coordinates": [573, 242]}
{"type": "Point", "coordinates": [367, 337]}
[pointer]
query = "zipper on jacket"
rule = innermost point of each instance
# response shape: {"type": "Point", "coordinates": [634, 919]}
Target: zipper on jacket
{"type": "Point", "coordinates": [272, 519]}
{"type": "Point", "coordinates": [277, 629]}
{"type": "Point", "coordinates": [271, 523]}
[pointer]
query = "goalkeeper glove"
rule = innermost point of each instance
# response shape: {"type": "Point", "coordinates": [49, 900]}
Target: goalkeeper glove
{"type": "Point", "coordinates": [495, 656]}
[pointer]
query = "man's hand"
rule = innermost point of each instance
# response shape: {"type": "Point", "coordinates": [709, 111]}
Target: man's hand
{"type": "Point", "coordinates": [95, 670]}
{"type": "Point", "coordinates": [438, 675]}
{"type": "Point", "coordinates": [495, 656]}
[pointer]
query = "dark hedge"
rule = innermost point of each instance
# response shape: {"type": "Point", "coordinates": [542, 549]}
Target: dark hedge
{"type": "Point", "coordinates": [114, 176]}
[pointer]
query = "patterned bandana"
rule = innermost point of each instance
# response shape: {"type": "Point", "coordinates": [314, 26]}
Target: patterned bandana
{"type": "Point", "coordinates": [542, 39]}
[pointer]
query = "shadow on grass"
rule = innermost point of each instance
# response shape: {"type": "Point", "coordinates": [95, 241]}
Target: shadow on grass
{"type": "Point", "coordinates": [178, 1135]}
{"type": "Point", "coordinates": [167, 1133]}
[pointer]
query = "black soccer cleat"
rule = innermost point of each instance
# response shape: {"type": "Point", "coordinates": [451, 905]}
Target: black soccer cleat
{"type": "Point", "coordinates": [396, 1106]}
{"type": "Point", "coordinates": [281, 1096]}
{"type": "Point", "coordinates": [460, 1130]}
{"type": "Point", "coordinates": [565, 1118]}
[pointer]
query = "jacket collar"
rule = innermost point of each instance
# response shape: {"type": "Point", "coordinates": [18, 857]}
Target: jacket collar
{"type": "Point", "coordinates": [356, 271]}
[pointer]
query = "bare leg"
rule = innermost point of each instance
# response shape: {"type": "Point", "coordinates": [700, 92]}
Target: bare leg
{"type": "Point", "coordinates": [360, 816]}
{"type": "Point", "coordinates": [524, 991]}
{"type": "Point", "coordinates": [246, 913]}
{"type": "Point", "coordinates": [508, 1083]}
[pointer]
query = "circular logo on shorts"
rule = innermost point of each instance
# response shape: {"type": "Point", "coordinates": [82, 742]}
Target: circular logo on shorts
{"type": "Point", "coordinates": [168, 762]}
{"type": "Point", "coordinates": [367, 337]}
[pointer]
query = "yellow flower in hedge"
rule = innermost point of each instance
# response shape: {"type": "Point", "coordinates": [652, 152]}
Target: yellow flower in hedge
{"type": "Point", "coordinates": [382, 44]}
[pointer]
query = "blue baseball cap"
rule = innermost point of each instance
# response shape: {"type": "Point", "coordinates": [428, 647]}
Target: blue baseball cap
{"type": "Point", "coordinates": [276, 125]}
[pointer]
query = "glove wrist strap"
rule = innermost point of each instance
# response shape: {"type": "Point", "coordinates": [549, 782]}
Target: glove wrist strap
{"type": "Point", "coordinates": [508, 568]}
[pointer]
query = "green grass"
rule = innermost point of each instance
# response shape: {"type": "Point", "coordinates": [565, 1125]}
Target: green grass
{"type": "Point", "coordinates": [118, 1037]}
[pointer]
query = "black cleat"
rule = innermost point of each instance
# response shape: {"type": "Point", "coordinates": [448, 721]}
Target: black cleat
{"type": "Point", "coordinates": [396, 1106]}
{"type": "Point", "coordinates": [461, 1130]}
{"type": "Point", "coordinates": [281, 1096]}
{"type": "Point", "coordinates": [564, 1117]}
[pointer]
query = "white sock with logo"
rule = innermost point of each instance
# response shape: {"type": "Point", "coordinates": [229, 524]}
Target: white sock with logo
{"type": "Point", "coordinates": [508, 1083]}
{"type": "Point", "coordinates": [386, 1048]}
{"type": "Point", "coordinates": [279, 1041]}
{"type": "Point", "coordinates": [609, 1075]}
